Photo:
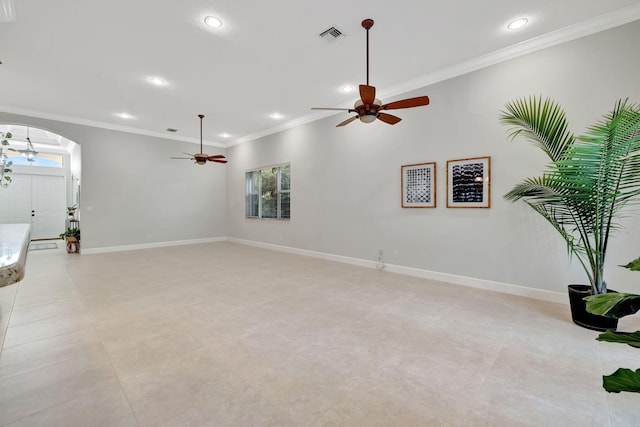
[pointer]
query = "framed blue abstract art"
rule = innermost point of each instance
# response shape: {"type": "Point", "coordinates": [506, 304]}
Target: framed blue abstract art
{"type": "Point", "coordinates": [468, 183]}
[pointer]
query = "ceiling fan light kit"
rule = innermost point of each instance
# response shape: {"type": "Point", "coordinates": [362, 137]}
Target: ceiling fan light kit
{"type": "Point", "coordinates": [30, 153]}
{"type": "Point", "coordinates": [369, 108]}
{"type": "Point", "coordinates": [202, 158]}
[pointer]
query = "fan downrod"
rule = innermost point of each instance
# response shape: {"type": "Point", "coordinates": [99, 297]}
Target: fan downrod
{"type": "Point", "coordinates": [369, 108]}
{"type": "Point", "coordinates": [367, 24]}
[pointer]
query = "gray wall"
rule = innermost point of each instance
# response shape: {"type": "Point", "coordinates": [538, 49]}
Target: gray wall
{"type": "Point", "coordinates": [346, 181]}
{"type": "Point", "coordinates": [133, 194]}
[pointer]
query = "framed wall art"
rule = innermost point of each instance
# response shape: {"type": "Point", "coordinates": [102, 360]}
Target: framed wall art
{"type": "Point", "coordinates": [418, 185]}
{"type": "Point", "coordinates": [468, 183]}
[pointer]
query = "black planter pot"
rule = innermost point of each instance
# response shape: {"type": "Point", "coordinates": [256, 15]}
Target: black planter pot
{"type": "Point", "coordinates": [581, 316]}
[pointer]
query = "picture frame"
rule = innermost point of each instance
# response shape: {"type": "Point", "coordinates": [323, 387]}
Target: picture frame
{"type": "Point", "coordinates": [418, 185]}
{"type": "Point", "coordinates": [469, 183]}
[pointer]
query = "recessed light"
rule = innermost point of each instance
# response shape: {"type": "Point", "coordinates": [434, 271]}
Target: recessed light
{"type": "Point", "coordinates": [7, 11]}
{"type": "Point", "coordinates": [276, 116]}
{"type": "Point", "coordinates": [158, 81]}
{"type": "Point", "coordinates": [517, 24]}
{"type": "Point", "coordinates": [125, 116]}
{"type": "Point", "coordinates": [213, 21]}
{"type": "Point", "coordinates": [225, 135]}
{"type": "Point", "coordinates": [347, 88]}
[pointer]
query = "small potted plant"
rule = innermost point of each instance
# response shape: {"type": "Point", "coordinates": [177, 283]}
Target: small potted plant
{"type": "Point", "coordinates": [617, 305]}
{"type": "Point", "coordinates": [72, 237]}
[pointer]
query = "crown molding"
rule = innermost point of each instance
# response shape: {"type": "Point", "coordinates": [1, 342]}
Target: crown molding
{"type": "Point", "coordinates": [582, 29]}
{"type": "Point", "coordinates": [103, 125]}
{"type": "Point", "coordinates": [567, 34]}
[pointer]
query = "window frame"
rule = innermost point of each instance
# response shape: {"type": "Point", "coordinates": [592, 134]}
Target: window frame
{"type": "Point", "coordinates": [257, 191]}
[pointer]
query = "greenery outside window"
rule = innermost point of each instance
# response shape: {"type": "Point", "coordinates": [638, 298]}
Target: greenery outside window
{"type": "Point", "coordinates": [268, 192]}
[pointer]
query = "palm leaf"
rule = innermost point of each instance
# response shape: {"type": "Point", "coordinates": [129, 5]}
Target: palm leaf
{"type": "Point", "coordinates": [613, 304]}
{"type": "Point", "coordinates": [543, 123]}
{"type": "Point", "coordinates": [633, 265]}
{"type": "Point", "coordinates": [630, 338]}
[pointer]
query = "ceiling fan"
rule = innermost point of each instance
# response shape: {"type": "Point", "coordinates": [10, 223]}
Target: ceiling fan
{"type": "Point", "coordinates": [369, 108]}
{"type": "Point", "coordinates": [30, 153]}
{"type": "Point", "coordinates": [202, 158]}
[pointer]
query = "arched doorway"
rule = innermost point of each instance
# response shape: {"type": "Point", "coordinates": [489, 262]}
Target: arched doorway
{"type": "Point", "coordinates": [45, 179]}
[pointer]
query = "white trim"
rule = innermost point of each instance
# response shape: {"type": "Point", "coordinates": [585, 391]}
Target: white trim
{"type": "Point", "coordinates": [109, 249]}
{"type": "Point", "coordinates": [305, 252]}
{"type": "Point", "coordinates": [545, 41]}
{"type": "Point", "coordinates": [454, 279]}
{"type": "Point", "coordinates": [288, 125]}
{"type": "Point", "coordinates": [104, 125]}
{"type": "Point", "coordinates": [573, 32]}
{"type": "Point", "coordinates": [564, 35]}
{"type": "Point", "coordinates": [487, 285]}
{"type": "Point", "coordinates": [472, 282]}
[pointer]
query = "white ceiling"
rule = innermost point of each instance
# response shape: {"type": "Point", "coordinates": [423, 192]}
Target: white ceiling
{"type": "Point", "coordinates": [84, 61]}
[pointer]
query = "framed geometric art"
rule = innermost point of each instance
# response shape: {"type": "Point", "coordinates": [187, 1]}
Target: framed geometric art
{"type": "Point", "coordinates": [418, 185]}
{"type": "Point", "coordinates": [468, 183]}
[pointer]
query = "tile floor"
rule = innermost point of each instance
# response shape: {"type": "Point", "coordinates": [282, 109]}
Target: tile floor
{"type": "Point", "coordinates": [229, 335]}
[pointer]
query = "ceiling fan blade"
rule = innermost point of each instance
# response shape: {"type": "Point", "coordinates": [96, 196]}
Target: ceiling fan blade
{"type": "Point", "coordinates": [182, 158]}
{"type": "Point", "coordinates": [346, 122]}
{"type": "Point", "coordinates": [367, 94]}
{"type": "Point", "coordinates": [188, 154]}
{"type": "Point", "coordinates": [218, 161]}
{"type": "Point", "coordinates": [388, 118]}
{"type": "Point", "coordinates": [407, 103]}
{"type": "Point", "coordinates": [217, 156]}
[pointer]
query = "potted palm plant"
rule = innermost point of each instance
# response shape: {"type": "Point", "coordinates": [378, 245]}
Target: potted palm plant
{"type": "Point", "coordinates": [584, 187]}
{"type": "Point", "coordinates": [617, 305]}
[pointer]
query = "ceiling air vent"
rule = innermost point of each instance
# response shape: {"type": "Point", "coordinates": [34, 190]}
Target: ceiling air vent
{"type": "Point", "coordinates": [172, 130]}
{"type": "Point", "coordinates": [331, 35]}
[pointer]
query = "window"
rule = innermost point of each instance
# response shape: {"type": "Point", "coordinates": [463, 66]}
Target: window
{"type": "Point", "coordinates": [268, 192]}
{"type": "Point", "coordinates": [40, 159]}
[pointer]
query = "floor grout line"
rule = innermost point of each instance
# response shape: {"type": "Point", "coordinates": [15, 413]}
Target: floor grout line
{"type": "Point", "coordinates": [394, 344]}
{"type": "Point", "coordinates": [6, 328]}
{"type": "Point", "coordinates": [104, 349]}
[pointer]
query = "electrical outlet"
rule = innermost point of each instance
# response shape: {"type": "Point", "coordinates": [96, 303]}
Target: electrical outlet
{"type": "Point", "coordinates": [396, 253]}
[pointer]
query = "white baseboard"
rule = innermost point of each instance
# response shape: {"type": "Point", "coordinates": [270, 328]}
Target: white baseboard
{"type": "Point", "coordinates": [305, 252]}
{"type": "Point", "coordinates": [488, 285]}
{"type": "Point", "coordinates": [122, 248]}
{"type": "Point", "coordinates": [472, 282]}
